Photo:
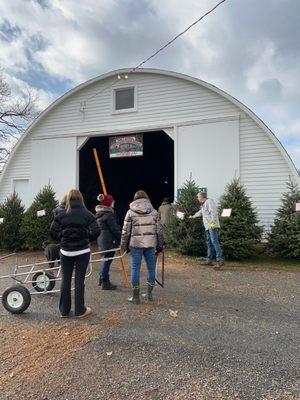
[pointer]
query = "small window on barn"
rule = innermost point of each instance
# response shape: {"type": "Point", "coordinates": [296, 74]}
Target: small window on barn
{"type": "Point", "coordinates": [124, 99]}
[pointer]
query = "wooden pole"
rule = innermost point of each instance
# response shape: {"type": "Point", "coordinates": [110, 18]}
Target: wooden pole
{"type": "Point", "coordinates": [99, 171]}
{"type": "Point", "coordinates": [125, 276]}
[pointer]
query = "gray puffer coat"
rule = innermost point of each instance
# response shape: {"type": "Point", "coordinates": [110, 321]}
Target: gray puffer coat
{"type": "Point", "coordinates": [142, 227]}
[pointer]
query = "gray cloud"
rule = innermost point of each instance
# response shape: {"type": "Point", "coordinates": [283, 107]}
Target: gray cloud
{"type": "Point", "coordinates": [249, 48]}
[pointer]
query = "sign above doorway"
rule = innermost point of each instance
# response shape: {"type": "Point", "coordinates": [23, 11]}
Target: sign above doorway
{"type": "Point", "coordinates": [126, 146]}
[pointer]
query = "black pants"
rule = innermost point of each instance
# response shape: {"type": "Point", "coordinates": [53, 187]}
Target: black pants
{"type": "Point", "coordinates": [67, 266]}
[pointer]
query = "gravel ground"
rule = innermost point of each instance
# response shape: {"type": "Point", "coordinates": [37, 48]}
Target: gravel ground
{"type": "Point", "coordinates": [229, 335]}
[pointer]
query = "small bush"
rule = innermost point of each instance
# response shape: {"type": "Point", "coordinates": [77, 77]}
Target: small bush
{"type": "Point", "coordinates": [284, 238]}
{"type": "Point", "coordinates": [240, 234]}
{"type": "Point", "coordinates": [35, 230]}
{"type": "Point", "coordinates": [186, 236]}
{"type": "Point", "coordinates": [12, 211]}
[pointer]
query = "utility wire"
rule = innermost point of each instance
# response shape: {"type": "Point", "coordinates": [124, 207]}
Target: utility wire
{"type": "Point", "coordinates": [177, 36]}
{"type": "Point", "coordinates": [160, 49]}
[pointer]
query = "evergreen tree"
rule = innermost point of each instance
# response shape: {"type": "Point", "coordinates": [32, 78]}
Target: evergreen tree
{"type": "Point", "coordinates": [12, 211]}
{"type": "Point", "coordinates": [34, 229]}
{"type": "Point", "coordinates": [284, 238]}
{"type": "Point", "coordinates": [240, 233]}
{"type": "Point", "coordinates": [186, 236]}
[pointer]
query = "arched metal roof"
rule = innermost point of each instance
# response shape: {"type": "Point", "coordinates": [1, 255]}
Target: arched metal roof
{"type": "Point", "coordinates": [197, 81]}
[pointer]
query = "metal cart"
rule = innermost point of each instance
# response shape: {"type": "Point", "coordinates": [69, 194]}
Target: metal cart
{"type": "Point", "coordinates": [39, 279]}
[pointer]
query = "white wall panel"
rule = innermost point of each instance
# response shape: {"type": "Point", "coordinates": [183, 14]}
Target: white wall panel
{"type": "Point", "coordinates": [22, 188]}
{"type": "Point", "coordinates": [210, 152]}
{"type": "Point", "coordinates": [54, 162]}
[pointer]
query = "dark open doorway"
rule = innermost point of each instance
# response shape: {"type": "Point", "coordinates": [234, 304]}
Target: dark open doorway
{"type": "Point", "coordinates": [152, 172]}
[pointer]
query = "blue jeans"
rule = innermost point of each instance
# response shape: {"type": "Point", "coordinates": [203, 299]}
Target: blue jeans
{"type": "Point", "coordinates": [104, 274]}
{"type": "Point", "coordinates": [212, 240]}
{"type": "Point", "coordinates": [136, 256]}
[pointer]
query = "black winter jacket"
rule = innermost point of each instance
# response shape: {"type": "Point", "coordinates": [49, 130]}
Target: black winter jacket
{"type": "Point", "coordinates": [110, 233]}
{"type": "Point", "coordinates": [60, 208]}
{"type": "Point", "coordinates": [74, 229]}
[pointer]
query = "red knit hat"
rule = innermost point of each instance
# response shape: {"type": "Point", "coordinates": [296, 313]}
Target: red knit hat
{"type": "Point", "coordinates": [105, 199]}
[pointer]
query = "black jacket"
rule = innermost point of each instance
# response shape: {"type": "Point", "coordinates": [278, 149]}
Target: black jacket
{"type": "Point", "coordinates": [74, 229]}
{"type": "Point", "coordinates": [60, 208]}
{"type": "Point", "coordinates": [110, 233]}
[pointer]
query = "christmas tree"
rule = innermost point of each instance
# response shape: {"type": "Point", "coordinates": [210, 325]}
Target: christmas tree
{"type": "Point", "coordinates": [284, 238]}
{"type": "Point", "coordinates": [186, 236]}
{"type": "Point", "coordinates": [239, 233]}
{"type": "Point", "coordinates": [34, 229]}
{"type": "Point", "coordinates": [12, 212]}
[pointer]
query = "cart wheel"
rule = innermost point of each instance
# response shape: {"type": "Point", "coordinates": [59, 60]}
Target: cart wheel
{"type": "Point", "coordinates": [16, 299]}
{"type": "Point", "coordinates": [43, 281]}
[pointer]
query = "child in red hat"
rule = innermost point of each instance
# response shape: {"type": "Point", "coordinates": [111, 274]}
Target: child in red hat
{"type": "Point", "coordinates": [109, 238]}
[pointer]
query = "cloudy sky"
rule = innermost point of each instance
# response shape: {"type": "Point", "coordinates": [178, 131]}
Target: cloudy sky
{"type": "Point", "coordinates": [249, 48]}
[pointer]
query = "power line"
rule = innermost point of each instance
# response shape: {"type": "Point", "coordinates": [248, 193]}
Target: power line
{"type": "Point", "coordinates": [177, 36]}
{"type": "Point", "coordinates": [160, 49]}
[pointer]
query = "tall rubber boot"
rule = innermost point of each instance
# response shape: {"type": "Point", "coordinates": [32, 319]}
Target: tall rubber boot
{"type": "Point", "coordinates": [135, 299]}
{"type": "Point", "coordinates": [150, 286]}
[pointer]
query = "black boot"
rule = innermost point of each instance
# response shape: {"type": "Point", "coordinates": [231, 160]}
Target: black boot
{"type": "Point", "coordinates": [135, 299]}
{"type": "Point", "coordinates": [107, 285]}
{"type": "Point", "coordinates": [100, 281]}
{"type": "Point", "coordinates": [150, 286]}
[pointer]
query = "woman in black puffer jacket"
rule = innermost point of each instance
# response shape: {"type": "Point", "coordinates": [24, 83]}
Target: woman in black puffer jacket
{"type": "Point", "coordinates": [75, 228]}
{"type": "Point", "coordinates": [109, 238]}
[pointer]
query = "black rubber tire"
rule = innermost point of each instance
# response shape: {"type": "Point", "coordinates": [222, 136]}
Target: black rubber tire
{"type": "Point", "coordinates": [50, 285]}
{"type": "Point", "coordinates": [24, 292]}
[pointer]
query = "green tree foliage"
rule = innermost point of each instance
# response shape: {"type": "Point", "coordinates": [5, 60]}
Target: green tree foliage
{"type": "Point", "coordinates": [240, 233]}
{"type": "Point", "coordinates": [186, 236]}
{"type": "Point", "coordinates": [284, 238]}
{"type": "Point", "coordinates": [12, 212]}
{"type": "Point", "coordinates": [35, 229]}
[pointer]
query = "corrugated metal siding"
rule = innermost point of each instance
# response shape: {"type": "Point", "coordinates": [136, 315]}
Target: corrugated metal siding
{"type": "Point", "coordinates": [161, 100]}
{"type": "Point", "coordinates": [19, 169]}
{"type": "Point", "coordinates": [263, 170]}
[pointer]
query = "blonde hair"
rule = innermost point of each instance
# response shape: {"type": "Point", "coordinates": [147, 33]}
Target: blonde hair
{"type": "Point", "coordinates": [73, 194]}
{"type": "Point", "coordinates": [63, 199]}
{"type": "Point", "coordinates": [140, 194]}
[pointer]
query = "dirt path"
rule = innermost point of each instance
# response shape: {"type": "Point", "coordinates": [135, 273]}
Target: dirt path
{"type": "Point", "coordinates": [229, 335]}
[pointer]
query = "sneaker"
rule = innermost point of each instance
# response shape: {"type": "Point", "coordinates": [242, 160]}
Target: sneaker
{"type": "Point", "coordinates": [88, 311]}
{"type": "Point", "coordinates": [220, 265]}
{"type": "Point", "coordinates": [208, 263]}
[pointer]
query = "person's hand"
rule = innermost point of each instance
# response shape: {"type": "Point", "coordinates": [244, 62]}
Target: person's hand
{"type": "Point", "coordinates": [213, 226]}
{"type": "Point", "coordinates": [159, 250]}
{"type": "Point", "coordinates": [124, 249]}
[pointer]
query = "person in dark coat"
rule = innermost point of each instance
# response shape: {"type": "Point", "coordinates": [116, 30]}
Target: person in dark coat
{"type": "Point", "coordinates": [75, 228]}
{"type": "Point", "coordinates": [52, 253]}
{"type": "Point", "coordinates": [61, 207]}
{"type": "Point", "coordinates": [109, 238]}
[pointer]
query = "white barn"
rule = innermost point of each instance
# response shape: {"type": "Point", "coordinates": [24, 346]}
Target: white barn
{"type": "Point", "coordinates": [188, 127]}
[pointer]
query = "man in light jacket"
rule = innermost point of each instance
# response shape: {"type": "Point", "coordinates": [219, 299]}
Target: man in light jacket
{"type": "Point", "coordinates": [209, 213]}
